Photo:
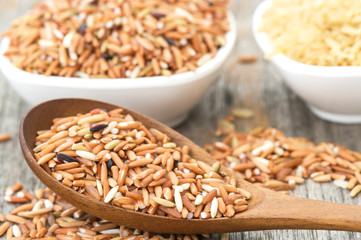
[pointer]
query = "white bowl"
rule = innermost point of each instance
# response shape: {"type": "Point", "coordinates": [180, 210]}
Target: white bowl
{"type": "Point", "coordinates": [332, 93]}
{"type": "Point", "coordinates": [167, 99]}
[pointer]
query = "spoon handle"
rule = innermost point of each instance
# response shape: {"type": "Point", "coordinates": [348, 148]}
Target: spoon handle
{"type": "Point", "coordinates": [279, 211]}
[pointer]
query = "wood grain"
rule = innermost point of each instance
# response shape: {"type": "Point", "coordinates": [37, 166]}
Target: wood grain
{"type": "Point", "coordinates": [257, 86]}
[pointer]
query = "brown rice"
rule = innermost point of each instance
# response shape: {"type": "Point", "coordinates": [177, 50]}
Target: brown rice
{"type": "Point", "coordinates": [266, 157]}
{"type": "Point", "coordinates": [116, 159]}
{"type": "Point", "coordinates": [117, 39]}
{"type": "Point", "coordinates": [49, 217]}
{"type": "Point", "coordinates": [4, 136]}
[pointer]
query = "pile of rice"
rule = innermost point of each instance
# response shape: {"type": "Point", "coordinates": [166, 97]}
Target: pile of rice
{"type": "Point", "coordinates": [316, 32]}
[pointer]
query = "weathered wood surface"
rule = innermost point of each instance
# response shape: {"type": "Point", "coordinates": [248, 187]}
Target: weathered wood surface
{"type": "Point", "coordinates": [257, 86]}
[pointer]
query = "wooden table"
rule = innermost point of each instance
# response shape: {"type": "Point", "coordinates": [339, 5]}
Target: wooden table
{"type": "Point", "coordinates": [257, 86]}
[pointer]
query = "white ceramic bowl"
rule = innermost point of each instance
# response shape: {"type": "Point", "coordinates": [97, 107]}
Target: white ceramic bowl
{"type": "Point", "coordinates": [167, 99]}
{"type": "Point", "coordinates": [332, 93]}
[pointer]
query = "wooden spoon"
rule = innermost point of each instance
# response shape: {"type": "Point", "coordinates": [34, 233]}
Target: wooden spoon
{"type": "Point", "coordinates": [267, 209]}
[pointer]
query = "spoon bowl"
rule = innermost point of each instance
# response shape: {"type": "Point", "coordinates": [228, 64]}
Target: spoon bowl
{"type": "Point", "coordinates": [266, 209]}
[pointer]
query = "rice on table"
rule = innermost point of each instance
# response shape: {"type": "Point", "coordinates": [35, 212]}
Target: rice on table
{"type": "Point", "coordinates": [267, 157]}
{"type": "Point", "coordinates": [117, 38]}
{"type": "Point", "coordinates": [47, 216]}
{"type": "Point", "coordinates": [324, 32]}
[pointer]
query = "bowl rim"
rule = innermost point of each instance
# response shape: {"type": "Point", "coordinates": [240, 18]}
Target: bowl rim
{"type": "Point", "coordinates": [289, 65]}
{"type": "Point", "coordinates": [103, 83]}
